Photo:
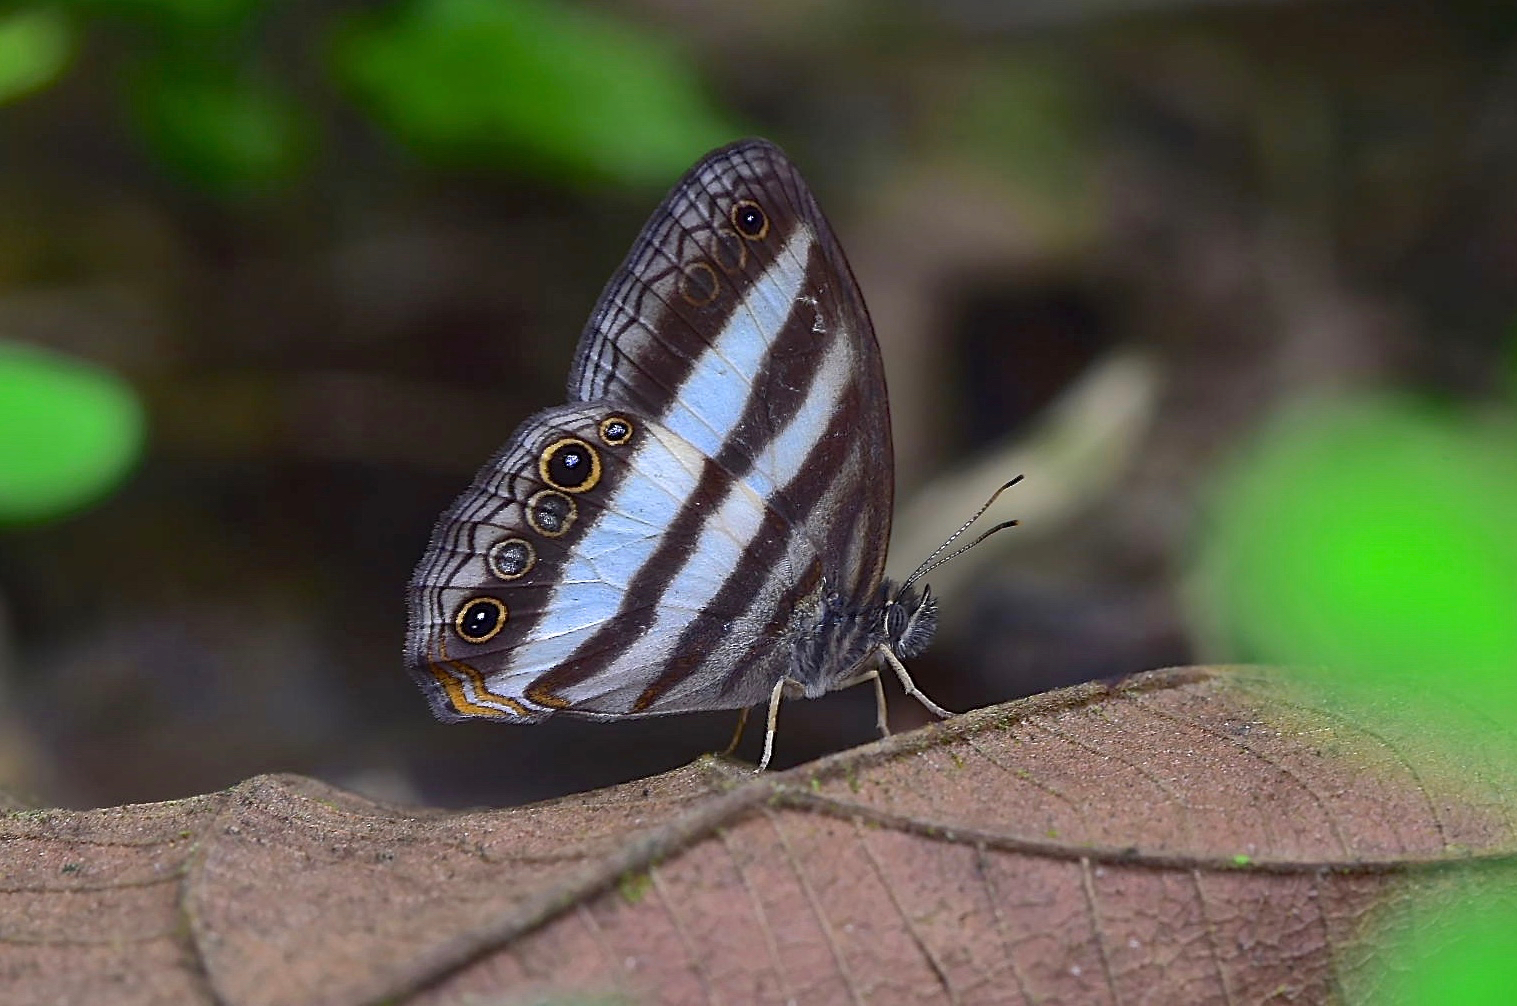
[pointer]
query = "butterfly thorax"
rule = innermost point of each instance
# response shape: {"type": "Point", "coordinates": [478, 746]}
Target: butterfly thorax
{"type": "Point", "coordinates": [844, 637]}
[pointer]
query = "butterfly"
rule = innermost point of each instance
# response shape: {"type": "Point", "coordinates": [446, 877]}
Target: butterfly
{"type": "Point", "coordinates": [704, 524]}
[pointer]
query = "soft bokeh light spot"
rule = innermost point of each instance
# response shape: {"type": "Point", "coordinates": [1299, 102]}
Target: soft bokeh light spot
{"type": "Point", "coordinates": [68, 433]}
{"type": "Point", "coordinates": [227, 130]}
{"type": "Point", "coordinates": [35, 46]}
{"type": "Point", "coordinates": [1373, 541]}
{"type": "Point", "coordinates": [552, 88]}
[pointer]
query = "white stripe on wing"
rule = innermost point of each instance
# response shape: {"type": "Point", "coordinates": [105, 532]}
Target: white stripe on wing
{"type": "Point", "coordinates": [727, 535]}
{"type": "Point", "coordinates": [706, 408]}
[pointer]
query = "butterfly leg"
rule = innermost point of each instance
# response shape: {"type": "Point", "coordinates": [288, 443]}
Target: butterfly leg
{"type": "Point", "coordinates": [880, 718]}
{"type": "Point", "coordinates": [910, 686]}
{"type": "Point", "coordinates": [873, 674]}
{"type": "Point", "coordinates": [774, 715]}
{"type": "Point", "coordinates": [737, 735]}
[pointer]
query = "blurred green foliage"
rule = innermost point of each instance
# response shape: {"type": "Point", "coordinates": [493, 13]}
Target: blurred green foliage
{"type": "Point", "coordinates": [1374, 541]}
{"type": "Point", "coordinates": [1462, 957]}
{"type": "Point", "coordinates": [35, 46]}
{"type": "Point", "coordinates": [534, 86]}
{"type": "Point", "coordinates": [562, 89]}
{"type": "Point", "coordinates": [175, 15]}
{"type": "Point", "coordinates": [531, 86]}
{"type": "Point", "coordinates": [68, 433]}
{"type": "Point", "coordinates": [227, 129]}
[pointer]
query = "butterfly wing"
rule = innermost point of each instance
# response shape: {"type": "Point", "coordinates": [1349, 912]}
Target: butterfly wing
{"type": "Point", "coordinates": [562, 527]}
{"type": "Point", "coordinates": [735, 342]}
{"type": "Point", "coordinates": [725, 334]}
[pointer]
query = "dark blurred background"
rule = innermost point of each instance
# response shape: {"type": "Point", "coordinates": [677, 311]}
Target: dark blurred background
{"type": "Point", "coordinates": [332, 253]}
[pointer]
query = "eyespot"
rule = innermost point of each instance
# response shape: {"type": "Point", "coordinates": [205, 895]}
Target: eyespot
{"type": "Point", "coordinates": [615, 430]}
{"type": "Point", "coordinates": [480, 619]}
{"type": "Point", "coordinates": [570, 464]}
{"type": "Point", "coordinates": [699, 284]}
{"type": "Point", "coordinates": [512, 558]}
{"type": "Point", "coordinates": [750, 220]}
{"type": "Point", "coordinates": [550, 513]}
{"type": "Point", "coordinates": [729, 251]}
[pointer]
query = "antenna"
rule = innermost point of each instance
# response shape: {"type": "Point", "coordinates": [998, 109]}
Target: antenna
{"type": "Point", "coordinates": [932, 562]}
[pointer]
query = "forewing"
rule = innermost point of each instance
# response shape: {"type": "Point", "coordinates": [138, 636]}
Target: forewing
{"type": "Point", "coordinates": [752, 343]}
{"type": "Point", "coordinates": [722, 337]}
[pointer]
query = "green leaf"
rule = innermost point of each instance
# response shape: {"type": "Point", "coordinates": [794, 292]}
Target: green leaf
{"type": "Point", "coordinates": [35, 47]}
{"type": "Point", "coordinates": [557, 90]}
{"type": "Point", "coordinates": [224, 129]}
{"type": "Point", "coordinates": [68, 433]}
{"type": "Point", "coordinates": [1374, 540]}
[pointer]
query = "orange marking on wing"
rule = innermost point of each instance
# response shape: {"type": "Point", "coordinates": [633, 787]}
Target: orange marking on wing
{"type": "Point", "coordinates": [680, 668]}
{"type": "Point", "coordinates": [543, 697]}
{"type": "Point", "coordinates": [461, 701]}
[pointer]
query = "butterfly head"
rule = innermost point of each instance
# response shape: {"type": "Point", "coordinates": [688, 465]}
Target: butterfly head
{"type": "Point", "coordinates": [909, 619]}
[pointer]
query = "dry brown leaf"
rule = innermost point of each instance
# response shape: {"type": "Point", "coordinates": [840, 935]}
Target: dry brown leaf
{"type": "Point", "coordinates": [1189, 836]}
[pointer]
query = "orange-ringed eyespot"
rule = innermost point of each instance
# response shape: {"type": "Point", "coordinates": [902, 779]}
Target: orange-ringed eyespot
{"type": "Point", "coordinates": [615, 431]}
{"type": "Point", "coordinates": [511, 558]}
{"type": "Point", "coordinates": [480, 619]}
{"type": "Point", "coordinates": [749, 219]}
{"type": "Point", "coordinates": [550, 512]}
{"type": "Point", "coordinates": [699, 284]}
{"type": "Point", "coordinates": [570, 464]}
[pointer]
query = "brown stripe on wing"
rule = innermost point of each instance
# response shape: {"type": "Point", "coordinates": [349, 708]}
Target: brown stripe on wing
{"type": "Point", "coordinates": [757, 659]}
{"type": "Point", "coordinates": [740, 589]}
{"type": "Point", "coordinates": [819, 482]}
{"type": "Point", "coordinates": [636, 614]}
{"type": "Point", "coordinates": [869, 511]}
{"type": "Point", "coordinates": [844, 530]}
